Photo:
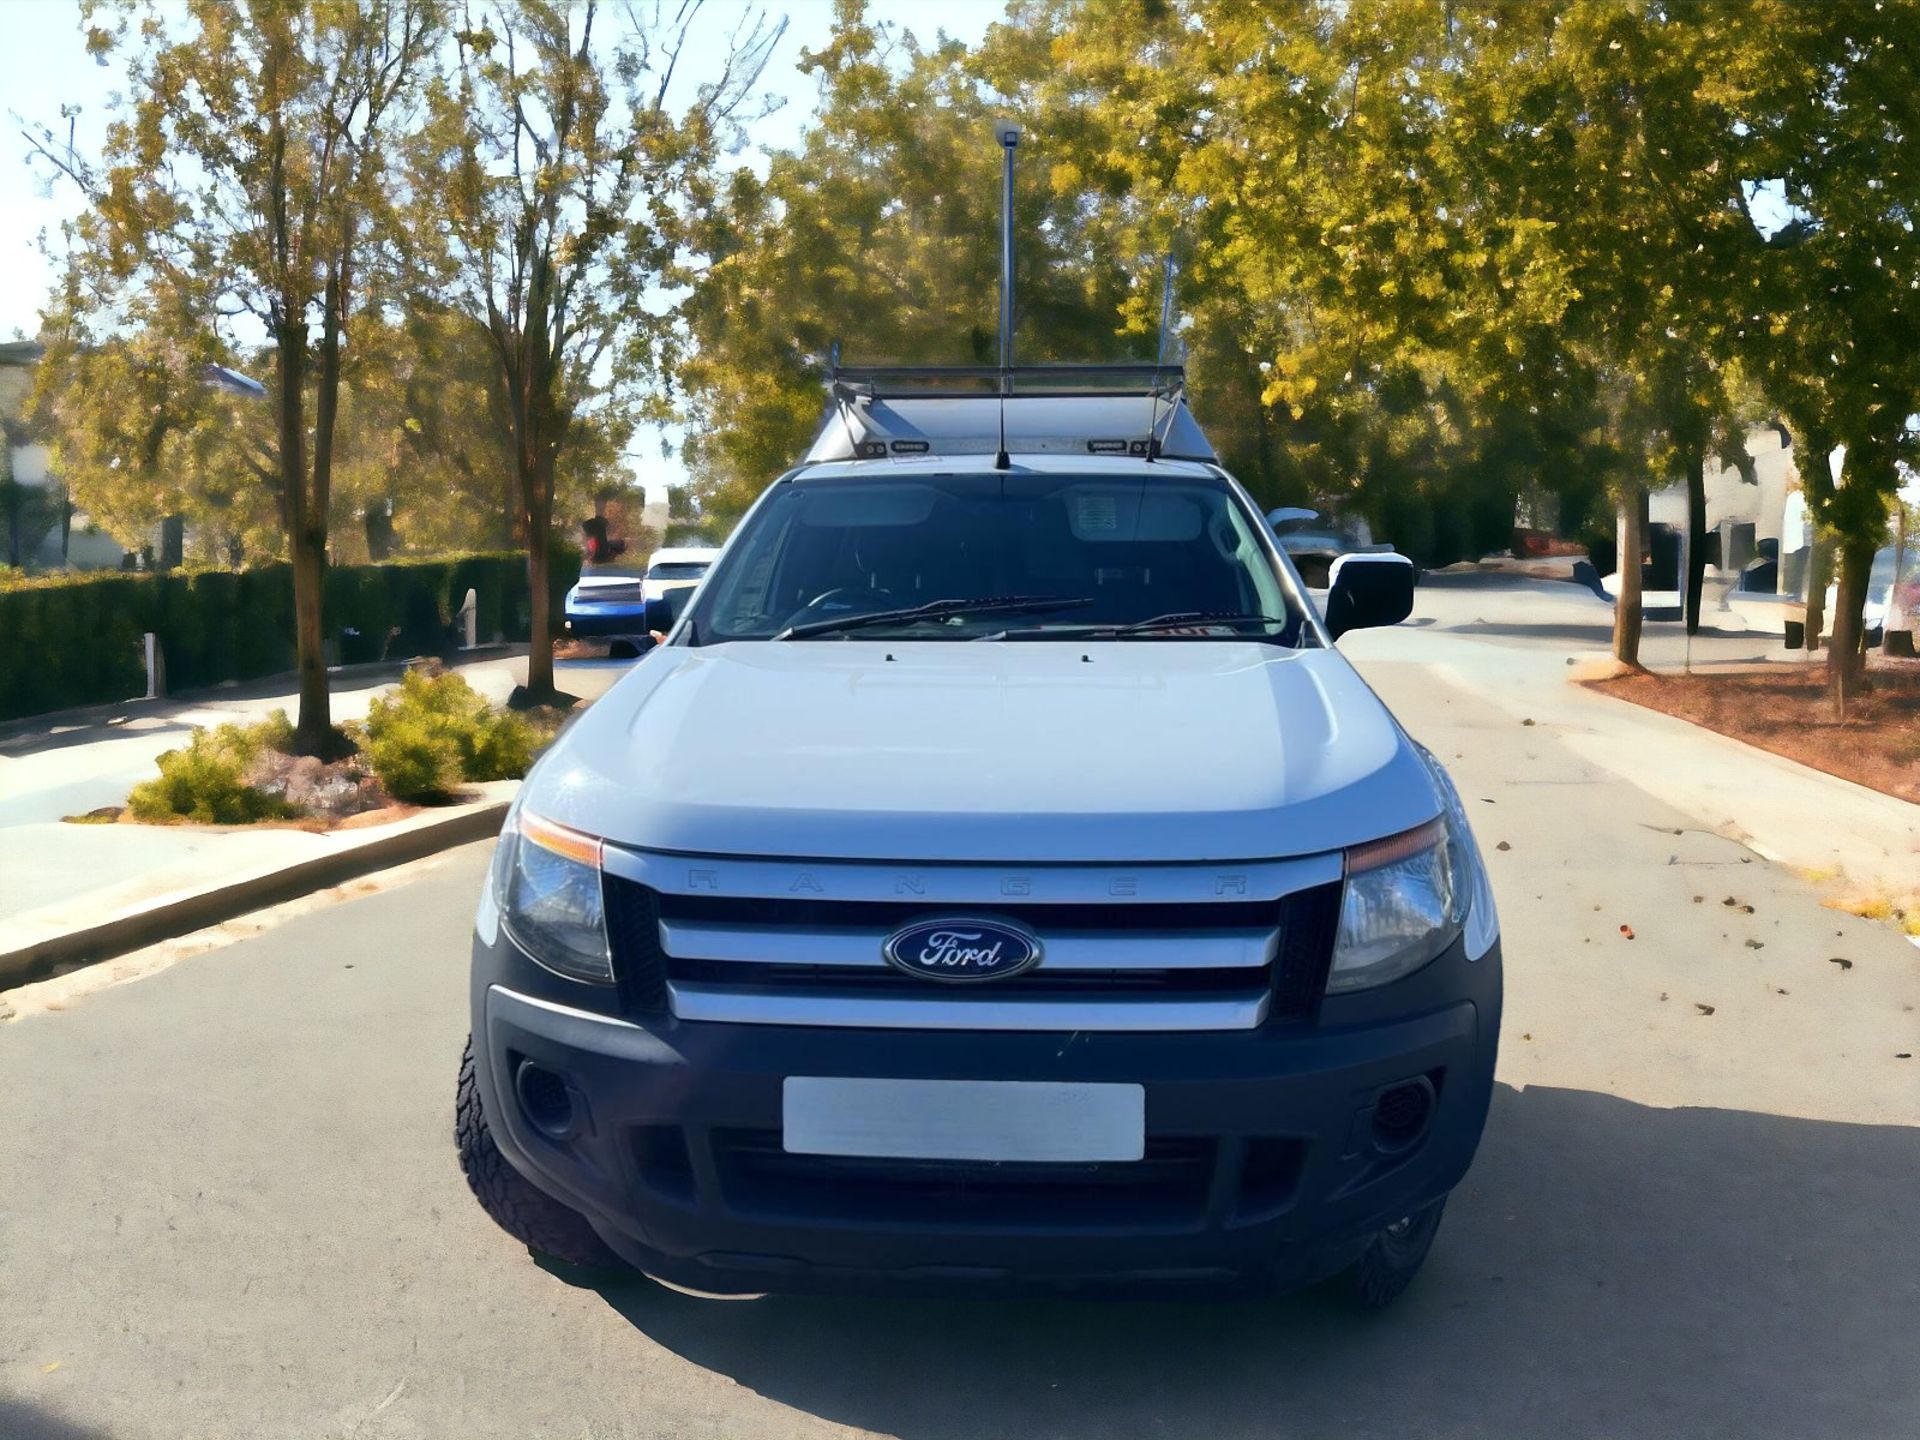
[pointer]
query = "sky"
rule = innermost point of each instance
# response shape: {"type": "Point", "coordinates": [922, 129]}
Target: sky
{"type": "Point", "coordinates": [47, 67]}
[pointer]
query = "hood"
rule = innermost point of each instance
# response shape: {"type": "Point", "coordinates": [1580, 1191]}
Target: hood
{"type": "Point", "coordinates": [1007, 752]}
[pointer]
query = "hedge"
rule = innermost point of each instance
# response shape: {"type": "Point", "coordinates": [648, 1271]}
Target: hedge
{"type": "Point", "coordinates": [76, 639]}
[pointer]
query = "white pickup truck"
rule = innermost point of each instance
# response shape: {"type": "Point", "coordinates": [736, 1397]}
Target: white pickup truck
{"type": "Point", "coordinates": [997, 880]}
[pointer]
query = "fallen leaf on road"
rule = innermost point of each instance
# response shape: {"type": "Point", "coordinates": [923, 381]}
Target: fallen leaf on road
{"type": "Point", "coordinates": [1698, 898]}
{"type": "Point", "coordinates": [1703, 1009]}
{"type": "Point", "coordinates": [1503, 845]}
{"type": "Point", "coordinates": [1779, 992]}
{"type": "Point", "coordinates": [1756, 944]}
{"type": "Point", "coordinates": [1527, 1035]}
{"type": "Point", "coordinates": [1663, 994]}
{"type": "Point", "coordinates": [1627, 930]}
{"type": "Point", "coordinates": [1526, 722]}
{"type": "Point", "coordinates": [51, 1366]}
{"type": "Point", "coordinates": [1733, 904]}
{"type": "Point", "coordinates": [1843, 964]}
{"type": "Point", "coordinates": [1904, 1055]}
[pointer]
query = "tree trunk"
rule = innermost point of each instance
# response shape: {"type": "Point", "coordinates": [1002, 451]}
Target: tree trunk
{"type": "Point", "coordinates": [307, 545]}
{"type": "Point", "coordinates": [1819, 572]}
{"type": "Point", "coordinates": [314, 733]}
{"type": "Point", "coordinates": [540, 631]}
{"type": "Point", "coordinates": [1846, 653]}
{"type": "Point", "coordinates": [1696, 538]}
{"type": "Point", "coordinates": [1626, 609]}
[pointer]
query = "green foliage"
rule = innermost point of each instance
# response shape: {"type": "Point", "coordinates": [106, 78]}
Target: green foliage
{"type": "Point", "coordinates": [248, 171]}
{"type": "Point", "coordinates": [435, 731]}
{"type": "Point", "coordinates": [206, 781]}
{"type": "Point", "coordinates": [561, 256]}
{"type": "Point", "coordinates": [76, 640]}
{"type": "Point", "coordinates": [881, 231]}
{"type": "Point", "coordinates": [415, 757]}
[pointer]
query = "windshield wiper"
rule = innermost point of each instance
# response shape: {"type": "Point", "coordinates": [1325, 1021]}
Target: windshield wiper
{"type": "Point", "coordinates": [1195, 617]}
{"type": "Point", "coordinates": [1172, 620]}
{"type": "Point", "coordinates": [937, 610]}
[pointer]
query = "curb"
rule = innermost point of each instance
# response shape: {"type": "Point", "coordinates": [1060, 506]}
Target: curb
{"type": "Point", "coordinates": [185, 911]}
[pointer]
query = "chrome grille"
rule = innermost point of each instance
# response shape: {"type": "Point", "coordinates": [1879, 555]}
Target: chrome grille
{"type": "Point", "coordinates": [1141, 948]}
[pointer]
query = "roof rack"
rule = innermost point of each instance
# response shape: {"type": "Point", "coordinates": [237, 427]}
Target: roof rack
{"type": "Point", "coordinates": [967, 381]}
{"type": "Point", "coordinates": [884, 411]}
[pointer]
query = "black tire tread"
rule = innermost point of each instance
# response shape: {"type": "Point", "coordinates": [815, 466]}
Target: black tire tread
{"type": "Point", "coordinates": [1384, 1269]}
{"type": "Point", "coordinates": [524, 1211]}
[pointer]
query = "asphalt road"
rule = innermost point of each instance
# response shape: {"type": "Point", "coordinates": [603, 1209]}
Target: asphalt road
{"type": "Point", "coordinates": [229, 1204]}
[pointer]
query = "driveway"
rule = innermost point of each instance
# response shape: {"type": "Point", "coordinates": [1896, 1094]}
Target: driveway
{"type": "Point", "coordinates": [230, 1207]}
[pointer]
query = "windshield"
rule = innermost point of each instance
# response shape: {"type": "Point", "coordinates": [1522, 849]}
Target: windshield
{"type": "Point", "coordinates": [1110, 551]}
{"type": "Point", "coordinates": [678, 570]}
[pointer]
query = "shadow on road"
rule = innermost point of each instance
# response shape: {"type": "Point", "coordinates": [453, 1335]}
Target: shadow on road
{"type": "Point", "coordinates": [1598, 635]}
{"type": "Point", "coordinates": [26, 743]}
{"type": "Point", "coordinates": [20, 1421]}
{"type": "Point", "coordinates": [1608, 1269]}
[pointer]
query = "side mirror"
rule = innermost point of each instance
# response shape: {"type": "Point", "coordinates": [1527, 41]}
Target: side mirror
{"type": "Point", "coordinates": [1368, 589]}
{"type": "Point", "coordinates": [1290, 515]}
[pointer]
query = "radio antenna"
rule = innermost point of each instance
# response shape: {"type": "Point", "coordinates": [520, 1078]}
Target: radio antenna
{"type": "Point", "coordinates": [1160, 359]}
{"type": "Point", "coordinates": [1008, 134]}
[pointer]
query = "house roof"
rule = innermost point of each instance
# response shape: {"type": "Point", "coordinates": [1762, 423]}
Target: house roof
{"type": "Point", "coordinates": [21, 352]}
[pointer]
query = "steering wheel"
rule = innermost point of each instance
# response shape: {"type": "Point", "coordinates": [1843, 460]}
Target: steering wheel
{"type": "Point", "coordinates": [848, 597]}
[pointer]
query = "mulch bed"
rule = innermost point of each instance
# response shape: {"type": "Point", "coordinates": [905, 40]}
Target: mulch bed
{"type": "Point", "coordinates": [1791, 713]}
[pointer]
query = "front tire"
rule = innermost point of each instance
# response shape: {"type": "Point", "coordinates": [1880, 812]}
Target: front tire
{"type": "Point", "coordinates": [1394, 1256]}
{"type": "Point", "coordinates": [517, 1206]}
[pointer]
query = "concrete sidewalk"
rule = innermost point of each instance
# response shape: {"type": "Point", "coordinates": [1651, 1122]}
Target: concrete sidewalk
{"type": "Point", "coordinates": [1517, 642]}
{"type": "Point", "coordinates": [58, 878]}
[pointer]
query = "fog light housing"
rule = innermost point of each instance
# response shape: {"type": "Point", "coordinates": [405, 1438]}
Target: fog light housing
{"type": "Point", "coordinates": [1402, 1115]}
{"type": "Point", "coordinates": [546, 1100]}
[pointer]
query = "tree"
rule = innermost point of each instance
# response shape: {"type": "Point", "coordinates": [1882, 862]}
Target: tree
{"type": "Point", "coordinates": [557, 167]}
{"type": "Point", "coordinates": [1836, 293]}
{"type": "Point", "coordinates": [152, 422]}
{"type": "Point", "coordinates": [880, 234]}
{"type": "Point", "coordinates": [250, 175]}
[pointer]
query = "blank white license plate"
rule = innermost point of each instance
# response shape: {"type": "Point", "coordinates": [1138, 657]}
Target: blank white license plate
{"type": "Point", "coordinates": [964, 1119]}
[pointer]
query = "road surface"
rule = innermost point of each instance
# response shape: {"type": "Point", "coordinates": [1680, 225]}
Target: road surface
{"type": "Point", "coordinates": [229, 1204]}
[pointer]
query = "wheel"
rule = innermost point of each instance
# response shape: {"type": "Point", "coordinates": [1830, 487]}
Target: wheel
{"type": "Point", "coordinates": [524, 1211]}
{"type": "Point", "coordinates": [1394, 1256]}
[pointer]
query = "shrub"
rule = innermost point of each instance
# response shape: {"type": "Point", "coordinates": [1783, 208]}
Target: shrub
{"type": "Point", "coordinates": [436, 731]}
{"type": "Point", "coordinates": [206, 781]}
{"type": "Point", "coordinates": [501, 747]}
{"type": "Point", "coordinates": [414, 755]}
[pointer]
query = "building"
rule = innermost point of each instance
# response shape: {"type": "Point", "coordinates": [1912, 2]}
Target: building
{"type": "Point", "coordinates": [37, 525]}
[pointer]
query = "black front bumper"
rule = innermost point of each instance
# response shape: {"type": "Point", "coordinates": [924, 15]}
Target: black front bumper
{"type": "Point", "coordinates": [1262, 1171]}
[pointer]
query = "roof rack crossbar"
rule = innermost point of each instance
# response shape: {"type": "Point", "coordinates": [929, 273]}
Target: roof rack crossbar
{"type": "Point", "coordinates": [1061, 379]}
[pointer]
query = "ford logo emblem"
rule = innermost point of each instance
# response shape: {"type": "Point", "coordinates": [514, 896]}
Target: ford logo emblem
{"type": "Point", "coordinates": [963, 949]}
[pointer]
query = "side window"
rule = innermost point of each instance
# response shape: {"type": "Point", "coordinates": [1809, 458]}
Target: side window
{"type": "Point", "coordinates": [746, 591]}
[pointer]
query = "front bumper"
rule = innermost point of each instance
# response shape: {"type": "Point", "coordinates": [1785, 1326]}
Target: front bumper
{"type": "Point", "coordinates": [623, 621]}
{"type": "Point", "coordinates": [1262, 1169]}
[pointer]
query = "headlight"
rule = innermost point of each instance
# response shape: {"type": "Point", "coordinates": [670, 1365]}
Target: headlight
{"type": "Point", "coordinates": [550, 898]}
{"type": "Point", "coordinates": [1405, 899]}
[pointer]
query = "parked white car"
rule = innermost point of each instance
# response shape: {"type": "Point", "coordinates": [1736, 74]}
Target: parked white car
{"type": "Point", "coordinates": [676, 569]}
